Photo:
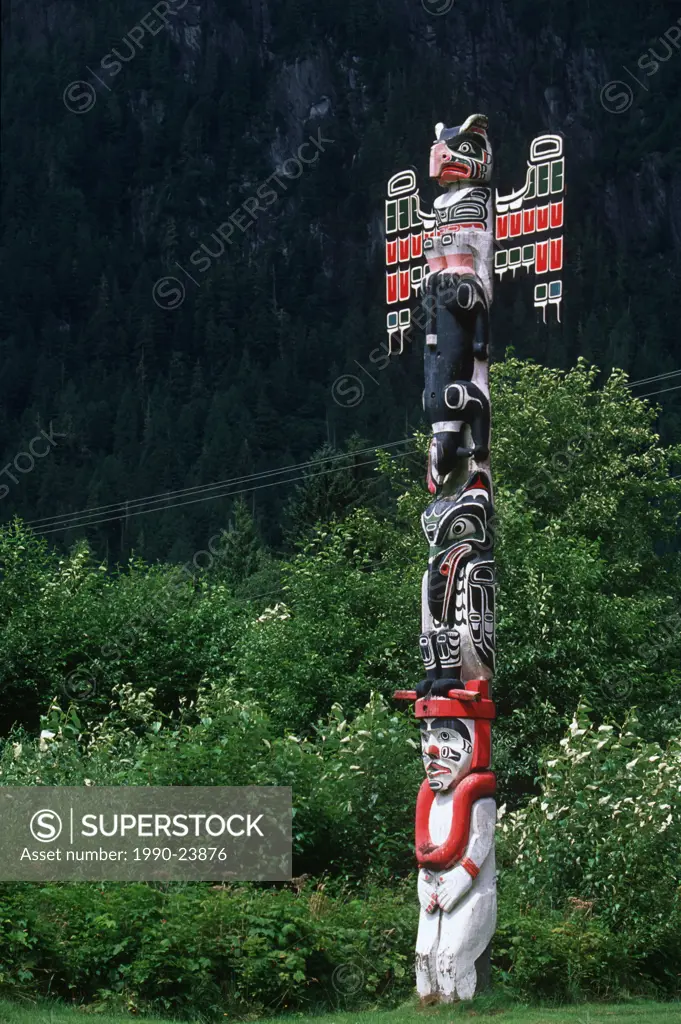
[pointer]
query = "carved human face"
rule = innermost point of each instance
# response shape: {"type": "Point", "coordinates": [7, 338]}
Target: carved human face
{"type": "Point", "coordinates": [447, 750]}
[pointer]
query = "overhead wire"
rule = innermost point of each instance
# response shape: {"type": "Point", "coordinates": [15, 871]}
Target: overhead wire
{"type": "Point", "coordinates": [226, 494]}
{"type": "Point", "coordinates": [165, 495]}
{"type": "Point", "coordinates": [649, 394]}
{"type": "Point", "coordinates": [160, 500]}
{"type": "Point", "coordinates": [651, 380]}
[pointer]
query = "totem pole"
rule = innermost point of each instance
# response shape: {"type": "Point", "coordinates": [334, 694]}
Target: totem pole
{"type": "Point", "coordinates": [448, 258]}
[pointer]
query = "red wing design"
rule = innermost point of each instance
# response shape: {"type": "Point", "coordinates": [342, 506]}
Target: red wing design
{"type": "Point", "coordinates": [528, 228]}
{"type": "Point", "coordinates": [404, 258]}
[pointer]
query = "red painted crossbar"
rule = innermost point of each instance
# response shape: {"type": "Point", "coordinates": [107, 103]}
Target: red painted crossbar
{"type": "Point", "coordinates": [456, 694]}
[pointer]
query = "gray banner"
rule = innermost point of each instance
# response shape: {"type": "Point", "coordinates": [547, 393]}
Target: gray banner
{"type": "Point", "coordinates": [145, 833]}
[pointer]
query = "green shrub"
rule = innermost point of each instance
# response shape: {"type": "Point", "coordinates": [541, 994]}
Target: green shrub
{"type": "Point", "coordinates": [17, 957]}
{"type": "Point", "coordinates": [203, 949]}
{"type": "Point", "coordinates": [66, 624]}
{"type": "Point", "coordinates": [548, 954]}
{"type": "Point", "coordinates": [354, 781]}
{"type": "Point", "coordinates": [605, 835]}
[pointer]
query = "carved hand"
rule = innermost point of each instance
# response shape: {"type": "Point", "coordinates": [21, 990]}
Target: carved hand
{"type": "Point", "coordinates": [452, 886]}
{"type": "Point", "coordinates": [427, 892]}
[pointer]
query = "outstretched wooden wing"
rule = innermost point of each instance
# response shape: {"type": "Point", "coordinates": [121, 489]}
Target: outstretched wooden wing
{"type": "Point", "coordinates": [528, 227]}
{"type": "Point", "coordinates": [405, 261]}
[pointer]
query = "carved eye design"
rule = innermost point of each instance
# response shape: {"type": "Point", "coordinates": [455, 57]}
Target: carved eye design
{"type": "Point", "coordinates": [444, 735]}
{"type": "Point", "coordinates": [461, 527]}
{"type": "Point", "coordinates": [465, 147]}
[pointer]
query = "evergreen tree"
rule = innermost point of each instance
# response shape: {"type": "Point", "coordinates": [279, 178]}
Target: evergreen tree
{"type": "Point", "coordinates": [333, 485]}
{"type": "Point", "coordinates": [241, 549]}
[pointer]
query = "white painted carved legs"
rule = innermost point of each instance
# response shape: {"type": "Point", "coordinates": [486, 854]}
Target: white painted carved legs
{"type": "Point", "coordinates": [458, 913]}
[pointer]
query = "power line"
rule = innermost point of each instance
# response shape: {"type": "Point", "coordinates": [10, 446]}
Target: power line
{"type": "Point", "coordinates": [226, 494]}
{"type": "Point", "coordinates": [71, 520]}
{"type": "Point", "coordinates": [125, 506]}
{"type": "Point", "coordinates": [651, 380]}
{"type": "Point", "coordinates": [80, 518]}
{"type": "Point", "coordinates": [649, 394]}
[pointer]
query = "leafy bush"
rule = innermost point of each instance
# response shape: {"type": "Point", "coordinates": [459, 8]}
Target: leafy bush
{"type": "Point", "coordinates": [354, 781]}
{"type": "Point", "coordinates": [67, 626]}
{"type": "Point", "coordinates": [16, 946]}
{"type": "Point", "coordinates": [563, 956]}
{"type": "Point", "coordinates": [604, 837]}
{"type": "Point", "coordinates": [204, 949]}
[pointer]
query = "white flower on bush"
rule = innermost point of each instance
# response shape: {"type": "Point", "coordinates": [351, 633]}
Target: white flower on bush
{"type": "Point", "coordinates": [603, 822]}
{"type": "Point", "coordinates": [45, 736]}
{"type": "Point", "coordinates": [279, 613]}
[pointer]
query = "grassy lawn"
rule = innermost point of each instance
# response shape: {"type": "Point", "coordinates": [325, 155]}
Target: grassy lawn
{"type": "Point", "coordinates": [491, 1008]}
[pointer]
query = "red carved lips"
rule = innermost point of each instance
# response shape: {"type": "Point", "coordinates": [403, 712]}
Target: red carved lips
{"type": "Point", "coordinates": [435, 767]}
{"type": "Point", "coordinates": [455, 172]}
